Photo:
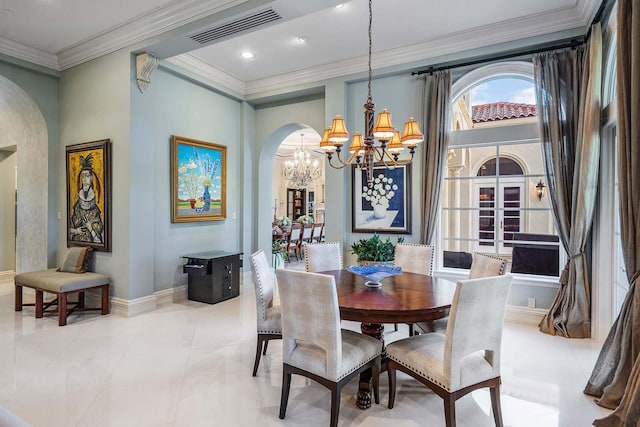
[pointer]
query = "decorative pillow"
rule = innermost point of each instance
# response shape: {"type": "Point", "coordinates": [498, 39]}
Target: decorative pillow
{"type": "Point", "coordinates": [76, 260]}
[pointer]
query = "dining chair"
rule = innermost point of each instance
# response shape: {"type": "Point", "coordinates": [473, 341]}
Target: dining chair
{"type": "Point", "coordinates": [414, 258]}
{"type": "Point", "coordinates": [268, 315]}
{"type": "Point", "coordinates": [323, 257]}
{"type": "Point", "coordinates": [483, 265]}
{"type": "Point", "coordinates": [306, 238]}
{"type": "Point", "coordinates": [293, 241]}
{"type": "Point", "coordinates": [313, 345]}
{"type": "Point", "coordinates": [467, 357]}
{"type": "Point", "coordinates": [317, 233]}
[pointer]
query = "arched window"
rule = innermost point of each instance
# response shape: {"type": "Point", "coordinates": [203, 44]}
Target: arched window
{"type": "Point", "coordinates": [494, 198]}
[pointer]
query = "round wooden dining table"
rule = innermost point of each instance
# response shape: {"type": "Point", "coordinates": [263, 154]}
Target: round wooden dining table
{"type": "Point", "coordinates": [406, 298]}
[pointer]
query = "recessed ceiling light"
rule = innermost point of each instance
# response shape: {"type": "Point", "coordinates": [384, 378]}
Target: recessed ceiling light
{"type": "Point", "coordinates": [303, 39]}
{"type": "Point", "coordinates": [247, 55]}
{"type": "Point", "coordinates": [341, 5]}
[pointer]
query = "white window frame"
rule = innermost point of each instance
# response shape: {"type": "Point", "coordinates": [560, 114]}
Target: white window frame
{"type": "Point", "coordinates": [505, 135]}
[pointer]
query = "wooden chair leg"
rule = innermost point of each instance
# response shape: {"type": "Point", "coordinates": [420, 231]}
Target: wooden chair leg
{"type": "Point", "coordinates": [105, 299]}
{"type": "Point", "coordinates": [18, 297]}
{"type": "Point", "coordinates": [81, 299]}
{"type": "Point", "coordinates": [284, 397]}
{"type": "Point", "coordinates": [450, 411]}
{"type": "Point", "coordinates": [391, 373]}
{"type": "Point", "coordinates": [411, 330]}
{"type": "Point", "coordinates": [264, 350]}
{"type": "Point", "coordinates": [39, 304]}
{"type": "Point", "coordinates": [62, 309]}
{"type": "Point", "coordinates": [495, 404]}
{"type": "Point", "coordinates": [256, 363]}
{"type": "Point", "coordinates": [335, 405]}
{"type": "Point", "coordinates": [376, 381]}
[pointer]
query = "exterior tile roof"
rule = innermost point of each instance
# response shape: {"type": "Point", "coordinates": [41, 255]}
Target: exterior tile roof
{"type": "Point", "coordinates": [501, 111]}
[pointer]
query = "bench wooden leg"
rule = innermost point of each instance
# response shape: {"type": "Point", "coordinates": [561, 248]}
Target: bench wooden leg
{"type": "Point", "coordinates": [62, 309]}
{"type": "Point", "coordinates": [105, 299]}
{"type": "Point", "coordinates": [18, 299]}
{"type": "Point", "coordinates": [39, 304]}
{"type": "Point", "coordinates": [81, 299]}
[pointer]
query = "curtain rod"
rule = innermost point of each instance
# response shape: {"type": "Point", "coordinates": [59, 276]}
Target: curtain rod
{"type": "Point", "coordinates": [567, 44]}
{"type": "Point", "coordinates": [570, 44]}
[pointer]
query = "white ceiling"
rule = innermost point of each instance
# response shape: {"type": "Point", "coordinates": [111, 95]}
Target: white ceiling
{"type": "Point", "coordinates": [60, 34]}
{"type": "Point", "coordinates": [63, 33]}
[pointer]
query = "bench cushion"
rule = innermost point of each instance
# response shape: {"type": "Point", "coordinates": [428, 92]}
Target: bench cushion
{"type": "Point", "coordinates": [58, 281]}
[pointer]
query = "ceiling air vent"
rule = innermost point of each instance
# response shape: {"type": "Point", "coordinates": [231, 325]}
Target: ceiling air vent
{"type": "Point", "coordinates": [237, 26]}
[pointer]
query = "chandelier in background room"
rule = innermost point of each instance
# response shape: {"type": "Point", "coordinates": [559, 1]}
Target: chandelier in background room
{"type": "Point", "coordinates": [301, 171]}
{"type": "Point", "coordinates": [364, 152]}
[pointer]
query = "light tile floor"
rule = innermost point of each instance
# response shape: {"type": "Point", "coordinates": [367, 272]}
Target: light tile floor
{"type": "Point", "coordinates": [189, 364]}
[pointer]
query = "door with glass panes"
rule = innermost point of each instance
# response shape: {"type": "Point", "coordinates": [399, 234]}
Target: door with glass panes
{"type": "Point", "coordinates": [499, 214]}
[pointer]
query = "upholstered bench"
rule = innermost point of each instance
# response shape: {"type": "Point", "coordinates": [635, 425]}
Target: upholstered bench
{"type": "Point", "coordinates": [61, 284]}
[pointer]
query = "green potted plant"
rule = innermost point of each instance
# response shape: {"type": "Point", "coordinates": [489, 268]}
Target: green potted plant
{"type": "Point", "coordinates": [278, 252]}
{"type": "Point", "coordinates": [375, 250]}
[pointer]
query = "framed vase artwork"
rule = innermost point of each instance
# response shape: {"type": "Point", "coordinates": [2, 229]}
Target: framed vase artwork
{"type": "Point", "coordinates": [386, 206]}
{"type": "Point", "coordinates": [88, 170]}
{"type": "Point", "coordinates": [198, 180]}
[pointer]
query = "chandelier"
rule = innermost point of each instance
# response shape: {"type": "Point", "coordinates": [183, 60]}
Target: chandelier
{"type": "Point", "coordinates": [364, 153]}
{"type": "Point", "coordinates": [301, 171]}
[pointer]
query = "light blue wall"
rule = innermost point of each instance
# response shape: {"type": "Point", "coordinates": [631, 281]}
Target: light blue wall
{"type": "Point", "coordinates": [272, 125]}
{"type": "Point", "coordinates": [173, 105]}
{"type": "Point", "coordinates": [42, 86]}
{"type": "Point", "coordinates": [94, 105]}
{"type": "Point", "coordinates": [402, 96]}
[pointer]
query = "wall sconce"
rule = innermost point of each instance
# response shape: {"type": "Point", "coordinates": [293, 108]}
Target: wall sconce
{"type": "Point", "coordinates": [540, 190]}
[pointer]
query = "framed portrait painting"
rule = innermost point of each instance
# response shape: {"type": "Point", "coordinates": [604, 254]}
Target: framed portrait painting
{"type": "Point", "coordinates": [89, 194]}
{"type": "Point", "coordinates": [198, 180]}
{"type": "Point", "coordinates": [386, 206]}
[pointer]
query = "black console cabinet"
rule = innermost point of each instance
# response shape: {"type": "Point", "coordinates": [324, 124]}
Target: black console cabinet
{"type": "Point", "coordinates": [213, 276]}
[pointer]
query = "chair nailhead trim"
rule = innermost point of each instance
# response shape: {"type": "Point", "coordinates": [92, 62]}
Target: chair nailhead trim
{"type": "Point", "coordinates": [356, 367]}
{"type": "Point", "coordinates": [422, 374]}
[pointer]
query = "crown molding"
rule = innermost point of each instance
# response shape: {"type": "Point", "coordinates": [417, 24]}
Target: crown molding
{"type": "Point", "coordinates": [588, 10]}
{"type": "Point", "coordinates": [207, 71]}
{"type": "Point", "coordinates": [29, 54]}
{"type": "Point", "coordinates": [140, 28]}
{"type": "Point", "coordinates": [479, 37]}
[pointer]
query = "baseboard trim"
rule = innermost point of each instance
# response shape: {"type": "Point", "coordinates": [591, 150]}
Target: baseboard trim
{"type": "Point", "coordinates": [133, 307]}
{"type": "Point", "coordinates": [526, 315]}
{"type": "Point", "coordinates": [7, 275]}
{"type": "Point", "coordinates": [171, 295]}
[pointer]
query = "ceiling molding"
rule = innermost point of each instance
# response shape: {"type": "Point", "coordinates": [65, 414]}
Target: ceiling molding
{"type": "Point", "coordinates": [29, 54]}
{"type": "Point", "coordinates": [588, 10]}
{"type": "Point", "coordinates": [476, 38]}
{"type": "Point", "coordinates": [197, 66]}
{"type": "Point", "coordinates": [141, 28]}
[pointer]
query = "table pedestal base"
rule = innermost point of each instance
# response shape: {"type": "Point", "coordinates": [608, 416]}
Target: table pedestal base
{"type": "Point", "coordinates": [364, 390]}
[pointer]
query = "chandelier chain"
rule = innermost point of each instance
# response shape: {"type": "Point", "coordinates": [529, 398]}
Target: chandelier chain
{"type": "Point", "coordinates": [370, 72]}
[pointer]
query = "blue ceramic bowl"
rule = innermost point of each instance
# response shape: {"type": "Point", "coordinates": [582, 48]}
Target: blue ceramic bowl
{"type": "Point", "coordinates": [374, 273]}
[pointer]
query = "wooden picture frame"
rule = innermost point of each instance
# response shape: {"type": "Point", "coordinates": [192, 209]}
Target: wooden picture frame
{"type": "Point", "coordinates": [385, 208]}
{"type": "Point", "coordinates": [198, 180]}
{"type": "Point", "coordinates": [88, 170]}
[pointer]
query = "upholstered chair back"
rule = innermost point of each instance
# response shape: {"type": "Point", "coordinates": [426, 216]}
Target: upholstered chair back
{"type": "Point", "coordinates": [311, 337]}
{"type": "Point", "coordinates": [317, 232]}
{"type": "Point", "coordinates": [264, 281]}
{"type": "Point", "coordinates": [475, 324]}
{"type": "Point", "coordinates": [487, 265]}
{"type": "Point", "coordinates": [414, 258]}
{"type": "Point", "coordinates": [323, 257]}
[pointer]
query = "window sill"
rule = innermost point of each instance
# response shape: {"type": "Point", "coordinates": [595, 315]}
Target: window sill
{"type": "Point", "coordinates": [455, 274]}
